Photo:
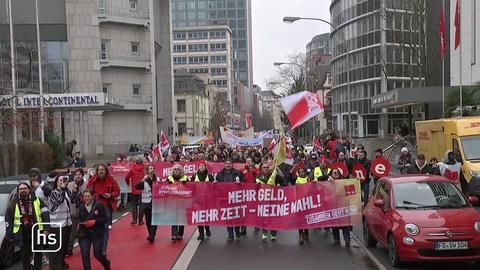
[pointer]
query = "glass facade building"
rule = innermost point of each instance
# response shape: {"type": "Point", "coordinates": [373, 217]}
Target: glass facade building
{"type": "Point", "coordinates": [234, 13]}
{"type": "Point", "coordinates": [376, 61]}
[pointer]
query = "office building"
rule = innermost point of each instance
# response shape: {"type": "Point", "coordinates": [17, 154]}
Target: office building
{"type": "Point", "coordinates": [234, 13]}
{"type": "Point", "coordinates": [118, 48]}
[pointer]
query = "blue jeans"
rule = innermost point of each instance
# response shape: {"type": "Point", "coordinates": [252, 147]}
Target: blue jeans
{"type": "Point", "coordinates": [365, 186]}
{"type": "Point", "coordinates": [106, 234]}
{"type": "Point", "coordinates": [85, 245]}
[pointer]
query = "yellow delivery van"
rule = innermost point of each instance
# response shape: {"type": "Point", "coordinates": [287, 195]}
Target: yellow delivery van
{"type": "Point", "coordinates": [462, 136]}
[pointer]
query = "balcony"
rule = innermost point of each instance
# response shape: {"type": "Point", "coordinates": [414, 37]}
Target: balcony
{"type": "Point", "coordinates": [115, 15]}
{"type": "Point", "coordinates": [125, 59]}
{"type": "Point", "coordinates": [137, 102]}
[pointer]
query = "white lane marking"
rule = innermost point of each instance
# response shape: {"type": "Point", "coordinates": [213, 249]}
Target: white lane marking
{"type": "Point", "coordinates": [115, 220]}
{"type": "Point", "coordinates": [126, 213]}
{"type": "Point", "coordinates": [187, 254]}
{"type": "Point", "coordinates": [375, 260]}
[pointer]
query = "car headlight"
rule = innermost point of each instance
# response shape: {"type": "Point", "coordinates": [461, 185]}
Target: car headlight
{"type": "Point", "coordinates": [474, 173]}
{"type": "Point", "coordinates": [412, 229]}
{"type": "Point", "coordinates": [477, 226]}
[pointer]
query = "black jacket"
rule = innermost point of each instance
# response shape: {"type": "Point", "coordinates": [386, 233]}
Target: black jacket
{"type": "Point", "coordinates": [231, 177]}
{"type": "Point", "coordinates": [10, 215]}
{"type": "Point", "coordinates": [99, 214]}
{"type": "Point", "coordinates": [427, 169]}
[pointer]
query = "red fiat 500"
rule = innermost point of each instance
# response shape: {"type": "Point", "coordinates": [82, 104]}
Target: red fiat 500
{"type": "Point", "coordinates": [422, 218]}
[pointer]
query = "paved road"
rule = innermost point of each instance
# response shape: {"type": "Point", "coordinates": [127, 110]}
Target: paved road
{"type": "Point", "coordinates": [252, 253]}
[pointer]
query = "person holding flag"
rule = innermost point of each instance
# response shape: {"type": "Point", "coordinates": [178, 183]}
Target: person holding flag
{"type": "Point", "coordinates": [202, 175]}
{"type": "Point", "coordinates": [160, 148]}
{"type": "Point", "coordinates": [301, 179]}
{"type": "Point", "coordinates": [320, 173]}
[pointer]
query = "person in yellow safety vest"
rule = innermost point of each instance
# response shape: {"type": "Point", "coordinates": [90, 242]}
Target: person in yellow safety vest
{"type": "Point", "coordinates": [321, 172]}
{"type": "Point", "coordinates": [302, 178]}
{"type": "Point", "coordinates": [23, 213]}
{"type": "Point", "coordinates": [266, 177]}
{"type": "Point", "coordinates": [202, 175]}
{"type": "Point", "coordinates": [178, 176]}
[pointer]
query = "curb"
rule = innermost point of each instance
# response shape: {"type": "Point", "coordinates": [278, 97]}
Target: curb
{"type": "Point", "coordinates": [367, 252]}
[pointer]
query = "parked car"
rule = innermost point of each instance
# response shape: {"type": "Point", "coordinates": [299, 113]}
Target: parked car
{"type": "Point", "coordinates": [422, 218]}
{"type": "Point", "coordinates": [7, 249]}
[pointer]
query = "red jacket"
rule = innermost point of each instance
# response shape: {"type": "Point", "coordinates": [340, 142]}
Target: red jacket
{"type": "Point", "coordinates": [107, 185]}
{"type": "Point", "coordinates": [135, 175]}
{"type": "Point", "coordinates": [250, 175]}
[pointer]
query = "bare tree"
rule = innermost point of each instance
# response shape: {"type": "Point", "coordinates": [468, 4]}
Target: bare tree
{"type": "Point", "coordinates": [218, 118]}
{"type": "Point", "coordinates": [289, 78]}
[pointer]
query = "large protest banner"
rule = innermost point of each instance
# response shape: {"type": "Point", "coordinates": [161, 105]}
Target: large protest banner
{"type": "Point", "coordinates": [163, 169]}
{"type": "Point", "coordinates": [311, 205]}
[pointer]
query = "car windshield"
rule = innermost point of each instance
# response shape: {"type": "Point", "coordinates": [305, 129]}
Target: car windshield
{"type": "Point", "coordinates": [424, 195]}
{"type": "Point", "coordinates": [471, 147]}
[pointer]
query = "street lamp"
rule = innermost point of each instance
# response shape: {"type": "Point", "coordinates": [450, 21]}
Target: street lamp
{"type": "Point", "coordinates": [290, 19]}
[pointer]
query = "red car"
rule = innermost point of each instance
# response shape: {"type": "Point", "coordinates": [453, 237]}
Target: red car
{"type": "Point", "coordinates": [422, 218]}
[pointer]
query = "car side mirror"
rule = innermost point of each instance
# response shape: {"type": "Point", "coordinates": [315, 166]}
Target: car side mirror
{"type": "Point", "coordinates": [473, 200]}
{"type": "Point", "coordinates": [380, 203]}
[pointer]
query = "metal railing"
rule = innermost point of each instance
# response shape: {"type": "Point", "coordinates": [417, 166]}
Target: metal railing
{"type": "Point", "coordinates": [136, 99]}
{"type": "Point", "coordinates": [126, 56]}
{"type": "Point", "coordinates": [133, 14]}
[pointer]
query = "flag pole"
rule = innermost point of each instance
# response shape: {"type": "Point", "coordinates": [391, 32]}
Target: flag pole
{"type": "Point", "coordinates": [461, 79]}
{"type": "Point", "coordinates": [443, 64]}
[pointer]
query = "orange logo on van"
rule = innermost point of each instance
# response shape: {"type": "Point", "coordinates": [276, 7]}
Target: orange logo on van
{"type": "Point", "coordinates": [422, 135]}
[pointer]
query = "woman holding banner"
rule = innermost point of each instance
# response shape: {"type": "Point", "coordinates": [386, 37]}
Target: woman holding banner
{"type": "Point", "coordinates": [178, 176]}
{"type": "Point", "coordinates": [336, 175]}
{"type": "Point", "coordinates": [301, 179]}
{"type": "Point", "coordinates": [202, 175]}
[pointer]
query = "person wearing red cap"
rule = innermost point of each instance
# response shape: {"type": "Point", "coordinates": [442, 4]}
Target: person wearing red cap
{"type": "Point", "coordinates": [202, 175]}
{"type": "Point", "coordinates": [301, 179]}
{"type": "Point", "coordinates": [321, 172]}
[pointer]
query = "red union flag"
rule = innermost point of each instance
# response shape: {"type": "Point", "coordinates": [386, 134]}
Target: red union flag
{"type": "Point", "coordinates": [457, 25]}
{"type": "Point", "coordinates": [164, 144]}
{"type": "Point", "coordinates": [300, 107]}
{"type": "Point", "coordinates": [248, 120]}
{"type": "Point", "coordinates": [441, 32]}
{"type": "Point", "coordinates": [316, 143]}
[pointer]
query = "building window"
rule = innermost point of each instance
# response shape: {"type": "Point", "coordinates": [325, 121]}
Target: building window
{"type": "Point", "coordinates": [218, 58]}
{"type": "Point", "coordinates": [136, 89]}
{"type": "Point", "coordinates": [198, 70]}
{"type": "Point", "coordinates": [133, 4]}
{"type": "Point", "coordinates": [218, 71]}
{"type": "Point", "coordinates": [197, 35]}
{"type": "Point", "coordinates": [179, 36]}
{"type": "Point", "coordinates": [221, 83]}
{"type": "Point", "coordinates": [179, 48]}
{"type": "Point", "coordinates": [198, 47]}
{"type": "Point", "coordinates": [218, 47]}
{"type": "Point", "coordinates": [218, 35]}
{"type": "Point", "coordinates": [182, 128]}
{"type": "Point", "coordinates": [104, 49]}
{"type": "Point", "coordinates": [198, 60]}
{"type": "Point", "coordinates": [181, 105]}
{"type": "Point", "coordinates": [179, 60]}
{"type": "Point", "coordinates": [135, 46]}
{"type": "Point", "coordinates": [106, 87]}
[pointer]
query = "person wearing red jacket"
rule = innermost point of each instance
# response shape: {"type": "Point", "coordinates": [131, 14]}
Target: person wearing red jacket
{"type": "Point", "coordinates": [250, 172]}
{"type": "Point", "coordinates": [106, 191]}
{"type": "Point", "coordinates": [135, 175]}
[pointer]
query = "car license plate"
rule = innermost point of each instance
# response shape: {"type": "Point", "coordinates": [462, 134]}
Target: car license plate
{"type": "Point", "coordinates": [451, 245]}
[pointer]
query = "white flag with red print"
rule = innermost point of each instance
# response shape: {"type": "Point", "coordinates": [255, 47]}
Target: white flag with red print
{"type": "Point", "coordinates": [164, 144]}
{"type": "Point", "coordinates": [300, 107]}
{"type": "Point", "coordinates": [272, 145]}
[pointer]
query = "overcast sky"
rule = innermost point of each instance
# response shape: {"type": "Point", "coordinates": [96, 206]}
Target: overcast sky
{"type": "Point", "coordinates": [273, 39]}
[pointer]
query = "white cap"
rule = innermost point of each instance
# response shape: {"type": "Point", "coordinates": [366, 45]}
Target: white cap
{"type": "Point", "coordinates": [404, 149]}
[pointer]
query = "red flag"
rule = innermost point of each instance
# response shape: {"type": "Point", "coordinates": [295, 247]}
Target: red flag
{"type": "Point", "coordinates": [248, 120]}
{"type": "Point", "coordinates": [272, 145]}
{"type": "Point", "coordinates": [316, 143]}
{"type": "Point", "coordinates": [441, 32]}
{"type": "Point", "coordinates": [155, 153]}
{"type": "Point", "coordinates": [457, 25]}
{"type": "Point", "coordinates": [300, 107]}
{"type": "Point", "coordinates": [164, 144]}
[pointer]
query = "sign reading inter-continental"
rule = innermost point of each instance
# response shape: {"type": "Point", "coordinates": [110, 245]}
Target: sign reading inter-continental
{"type": "Point", "coordinates": [55, 100]}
